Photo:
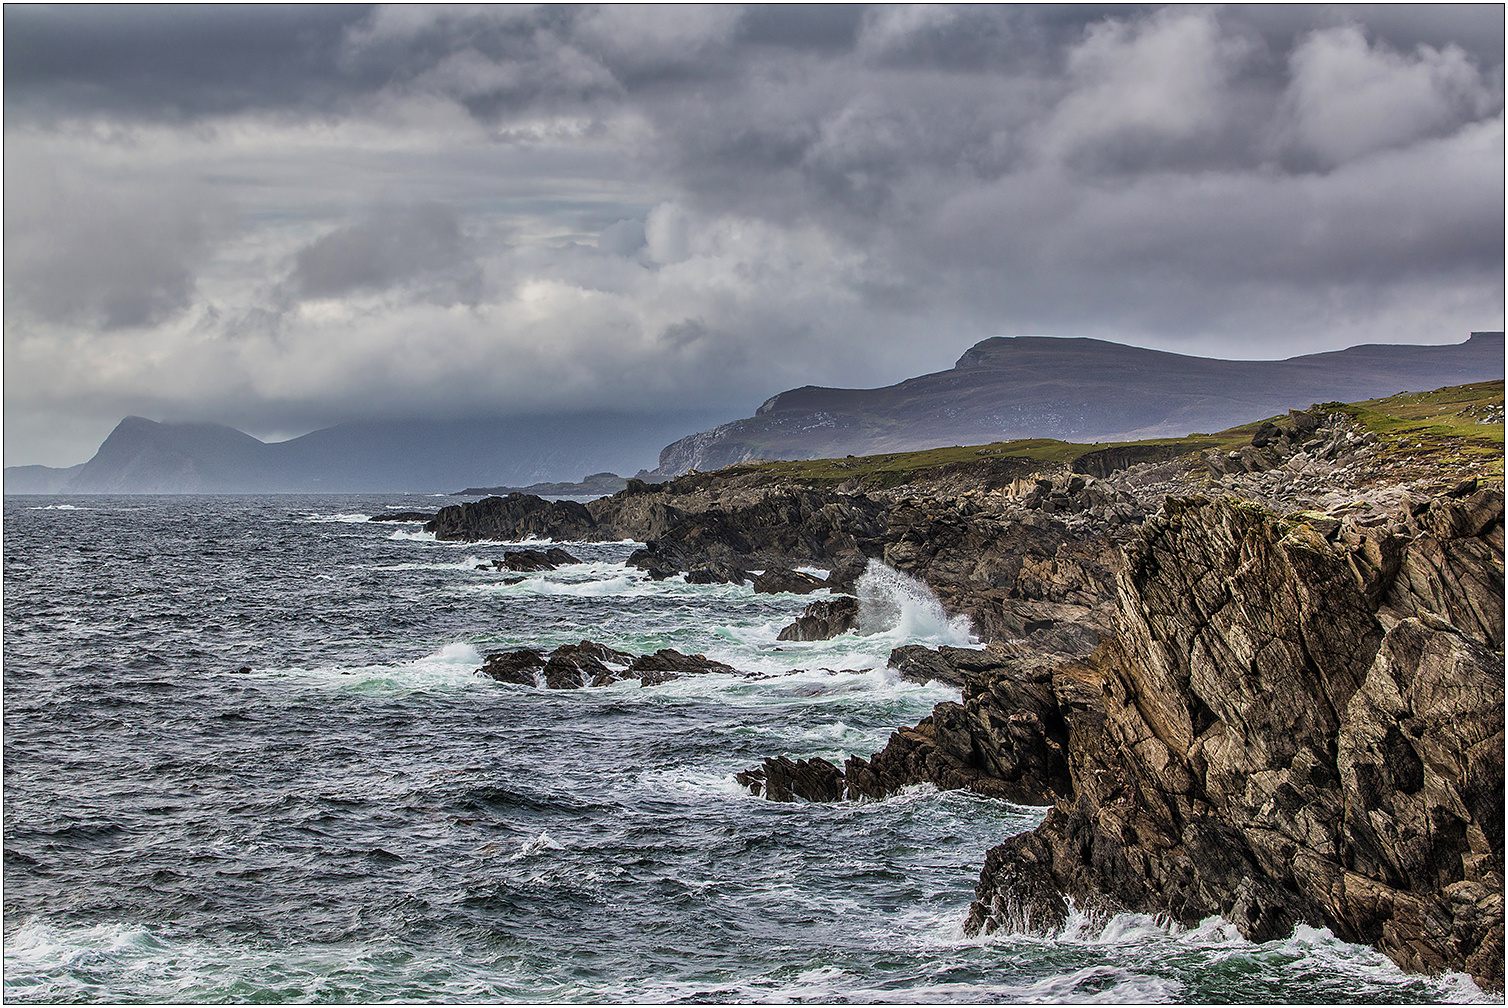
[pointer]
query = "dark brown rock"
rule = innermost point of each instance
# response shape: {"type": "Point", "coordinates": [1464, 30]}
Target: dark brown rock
{"type": "Point", "coordinates": [716, 573]}
{"type": "Point", "coordinates": [530, 560]}
{"type": "Point", "coordinates": [572, 666]}
{"type": "Point", "coordinates": [666, 665]}
{"type": "Point", "coordinates": [514, 666]}
{"type": "Point", "coordinates": [1259, 740]}
{"type": "Point", "coordinates": [515, 516]}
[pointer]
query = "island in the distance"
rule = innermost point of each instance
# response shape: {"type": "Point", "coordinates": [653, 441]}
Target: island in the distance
{"type": "Point", "coordinates": [596, 485]}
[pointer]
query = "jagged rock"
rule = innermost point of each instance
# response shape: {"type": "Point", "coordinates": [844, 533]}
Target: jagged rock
{"type": "Point", "coordinates": [514, 666]}
{"type": "Point", "coordinates": [922, 664]}
{"type": "Point", "coordinates": [1259, 740]}
{"type": "Point", "coordinates": [648, 560]}
{"type": "Point", "coordinates": [823, 619]}
{"type": "Point", "coordinates": [783, 580]}
{"type": "Point", "coordinates": [716, 573]}
{"type": "Point", "coordinates": [403, 516]}
{"type": "Point", "coordinates": [666, 665]}
{"type": "Point", "coordinates": [513, 517]}
{"type": "Point", "coordinates": [572, 666]}
{"type": "Point", "coordinates": [534, 560]}
{"type": "Point", "coordinates": [783, 779]}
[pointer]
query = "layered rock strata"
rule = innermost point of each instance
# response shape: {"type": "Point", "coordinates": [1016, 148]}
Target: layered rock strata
{"type": "Point", "coordinates": [1294, 721]}
{"type": "Point", "coordinates": [1292, 718]}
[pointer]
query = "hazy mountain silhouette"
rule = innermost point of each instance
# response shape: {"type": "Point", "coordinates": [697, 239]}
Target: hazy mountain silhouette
{"type": "Point", "coordinates": [425, 456]}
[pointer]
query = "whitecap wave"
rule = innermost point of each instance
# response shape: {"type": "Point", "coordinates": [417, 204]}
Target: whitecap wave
{"type": "Point", "coordinates": [58, 507]}
{"type": "Point", "coordinates": [453, 665]}
{"type": "Point", "coordinates": [344, 518]}
{"type": "Point", "coordinates": [540, 844]}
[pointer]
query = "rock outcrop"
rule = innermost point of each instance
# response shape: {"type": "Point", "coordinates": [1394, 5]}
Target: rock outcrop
{"type": "Point", "coordinates": [577, 666]}
{"type": "Point", "coordinates": [824, 619]}
{"type": "Point", "coordinates": [1263, 682]}
{"type": "Point", "coordinates": [1291, 723]}
{"type": "Point", "coordinates": [530, 560]}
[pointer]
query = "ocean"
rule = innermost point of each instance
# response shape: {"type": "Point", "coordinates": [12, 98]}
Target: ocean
{"type": "Point", "coordinates": [247, 758]}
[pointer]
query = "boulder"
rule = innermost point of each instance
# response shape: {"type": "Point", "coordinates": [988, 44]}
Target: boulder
{"type": "Point", "coordinates": [823, 619]}
{"type": "Point", "coordinates": [517, 666]}
{"type": "Point", "coordinates": [716, 573]}
{"type": "Point", "coordinates": [667, 665]}
{"type": "Point", "coordinates": [530, 560]}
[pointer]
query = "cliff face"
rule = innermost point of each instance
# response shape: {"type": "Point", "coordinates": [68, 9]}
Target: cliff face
{"type": "Point", "coordinates": [1291, 723]}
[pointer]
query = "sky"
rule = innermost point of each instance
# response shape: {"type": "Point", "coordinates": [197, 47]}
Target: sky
{"type": "Point", "coordinates": [283, 218]}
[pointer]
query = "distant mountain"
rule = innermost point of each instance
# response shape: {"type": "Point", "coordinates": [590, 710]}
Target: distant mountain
{"type": "Point", "coordinates": [1080, 390]}
{"type": "Point", "coordinates": [38, 479]}
{"type": "Point", "coordinates": [424, 456]}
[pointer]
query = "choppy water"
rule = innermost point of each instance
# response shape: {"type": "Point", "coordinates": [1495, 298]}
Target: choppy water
{"type": "Point", "coordinates": [361, 818]}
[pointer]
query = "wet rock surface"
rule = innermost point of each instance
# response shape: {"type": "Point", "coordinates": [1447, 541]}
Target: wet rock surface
{"type": "Point", "coordinates": [824, 619]}
{"type": "Point", "coordinates": [531, 560]}
{"type": "Point", "coordinates": [783, 779]}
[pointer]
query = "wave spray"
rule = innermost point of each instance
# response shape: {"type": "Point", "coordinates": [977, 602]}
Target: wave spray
{"type": "Point", "coordinates": [898, 604]}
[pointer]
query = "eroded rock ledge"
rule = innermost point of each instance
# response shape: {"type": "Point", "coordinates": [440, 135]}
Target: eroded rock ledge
{"type": "Point", "coordinates": [1291, 723]}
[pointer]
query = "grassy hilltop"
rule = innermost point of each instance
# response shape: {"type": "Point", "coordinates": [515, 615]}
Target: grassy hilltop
{"type": "Point", "coordinates": [1444, 434]}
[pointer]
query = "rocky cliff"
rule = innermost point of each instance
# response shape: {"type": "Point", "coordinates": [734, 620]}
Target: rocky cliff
{"type": "Point", "coordinates": [1294, 721]}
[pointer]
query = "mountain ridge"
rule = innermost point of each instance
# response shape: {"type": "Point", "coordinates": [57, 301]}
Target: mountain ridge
{"type": "Point", "coordinates": [1075, 389]}
{"type": "Point", "coordinates": [1002, 388]}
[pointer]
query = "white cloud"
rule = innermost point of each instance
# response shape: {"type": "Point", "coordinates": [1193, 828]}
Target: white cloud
{"type": "Point", "coordinates": [1153, 81]}
{"type": "Point", "coordinates": [1348, 98]}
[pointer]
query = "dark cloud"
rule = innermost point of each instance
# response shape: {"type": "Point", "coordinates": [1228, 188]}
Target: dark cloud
{"type": "Point", "coordinates": [174, 61]}
{"type": "Point", "coordinates": [694, 206]}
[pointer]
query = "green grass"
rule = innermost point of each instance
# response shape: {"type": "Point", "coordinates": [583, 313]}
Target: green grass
{"type": "Point", "coordinates": [1442, 428]}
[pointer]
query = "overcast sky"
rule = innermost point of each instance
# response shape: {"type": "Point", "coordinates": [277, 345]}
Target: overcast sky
{"type": "Point", "coordinates": [283, 218]}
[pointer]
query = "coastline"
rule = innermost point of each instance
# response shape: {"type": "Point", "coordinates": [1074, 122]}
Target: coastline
{"type": "Point", "coordinates": [1224, 671]}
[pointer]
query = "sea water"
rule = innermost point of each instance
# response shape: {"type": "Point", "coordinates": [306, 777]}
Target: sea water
{"type": "Point", "coordinates": [248, 758]}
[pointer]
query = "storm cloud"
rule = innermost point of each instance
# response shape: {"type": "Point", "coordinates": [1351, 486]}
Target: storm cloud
{"type": "Point", "coordinates": [282, 218]}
